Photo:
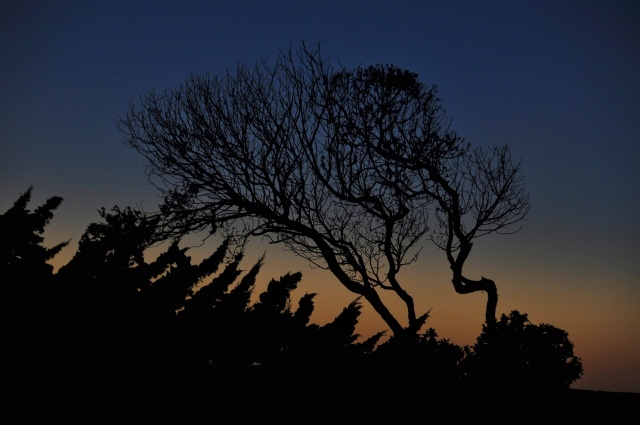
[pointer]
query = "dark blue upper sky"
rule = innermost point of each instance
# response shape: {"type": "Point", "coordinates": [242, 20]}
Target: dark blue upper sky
{"type": "Point", "coordinates": [559, 81]}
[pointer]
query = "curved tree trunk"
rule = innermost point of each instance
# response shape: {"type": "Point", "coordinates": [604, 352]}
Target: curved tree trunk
{"type": "Point", "coordinates": [462, 285]}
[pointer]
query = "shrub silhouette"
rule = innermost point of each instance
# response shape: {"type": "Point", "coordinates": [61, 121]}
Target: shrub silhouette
{"type": "Point", "coordinates": [522, 354]}
{"type": "Point", "coordinates": [419, 360]}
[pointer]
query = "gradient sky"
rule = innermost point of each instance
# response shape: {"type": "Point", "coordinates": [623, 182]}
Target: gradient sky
{"type": "Point", "coordinates": [559, 81]}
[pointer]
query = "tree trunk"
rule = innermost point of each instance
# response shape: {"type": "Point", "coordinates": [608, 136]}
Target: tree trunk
{"type": "Point", "coordinates": [462, 285]}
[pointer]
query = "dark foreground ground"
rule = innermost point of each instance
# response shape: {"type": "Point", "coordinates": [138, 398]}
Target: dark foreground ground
{"type": "Point", "coordinates": [373, 403]}
{"type": "Point", "coordinates": [571, 403]}
{"type": "Point", "coordinates": [363, 401]}
{"type": "Point", "coordinates": [517, 404]}
{"type": "Point", "coordinates": [604, 403]}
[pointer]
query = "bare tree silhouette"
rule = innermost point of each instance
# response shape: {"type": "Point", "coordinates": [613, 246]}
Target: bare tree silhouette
{"type": "Point", "coordinates": [340, 166]}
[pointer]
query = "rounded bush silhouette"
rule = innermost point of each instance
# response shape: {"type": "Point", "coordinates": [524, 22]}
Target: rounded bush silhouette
{"type": "Point", "coordinates": [518, 353]}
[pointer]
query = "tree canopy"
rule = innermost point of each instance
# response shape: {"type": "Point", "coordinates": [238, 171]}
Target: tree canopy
{"type": "Point", "coordinates": [351, 169]}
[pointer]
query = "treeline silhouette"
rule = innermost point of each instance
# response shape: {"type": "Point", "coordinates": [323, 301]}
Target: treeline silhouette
{"type": "Point", "coordinates": [109, 317]}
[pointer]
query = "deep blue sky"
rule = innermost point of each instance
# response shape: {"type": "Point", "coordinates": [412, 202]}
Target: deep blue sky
{"type": "Point", "coordinates": [559, 81]}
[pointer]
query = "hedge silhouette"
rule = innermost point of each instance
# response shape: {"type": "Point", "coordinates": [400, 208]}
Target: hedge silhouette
{"type": "Point", "coordinates": [108, 317]}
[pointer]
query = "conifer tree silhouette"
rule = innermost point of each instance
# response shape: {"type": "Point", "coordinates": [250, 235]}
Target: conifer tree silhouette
{"type": "Point", "coordinates": [23, 258]}
{"type": "Point", "coordinates": [233, 305]}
